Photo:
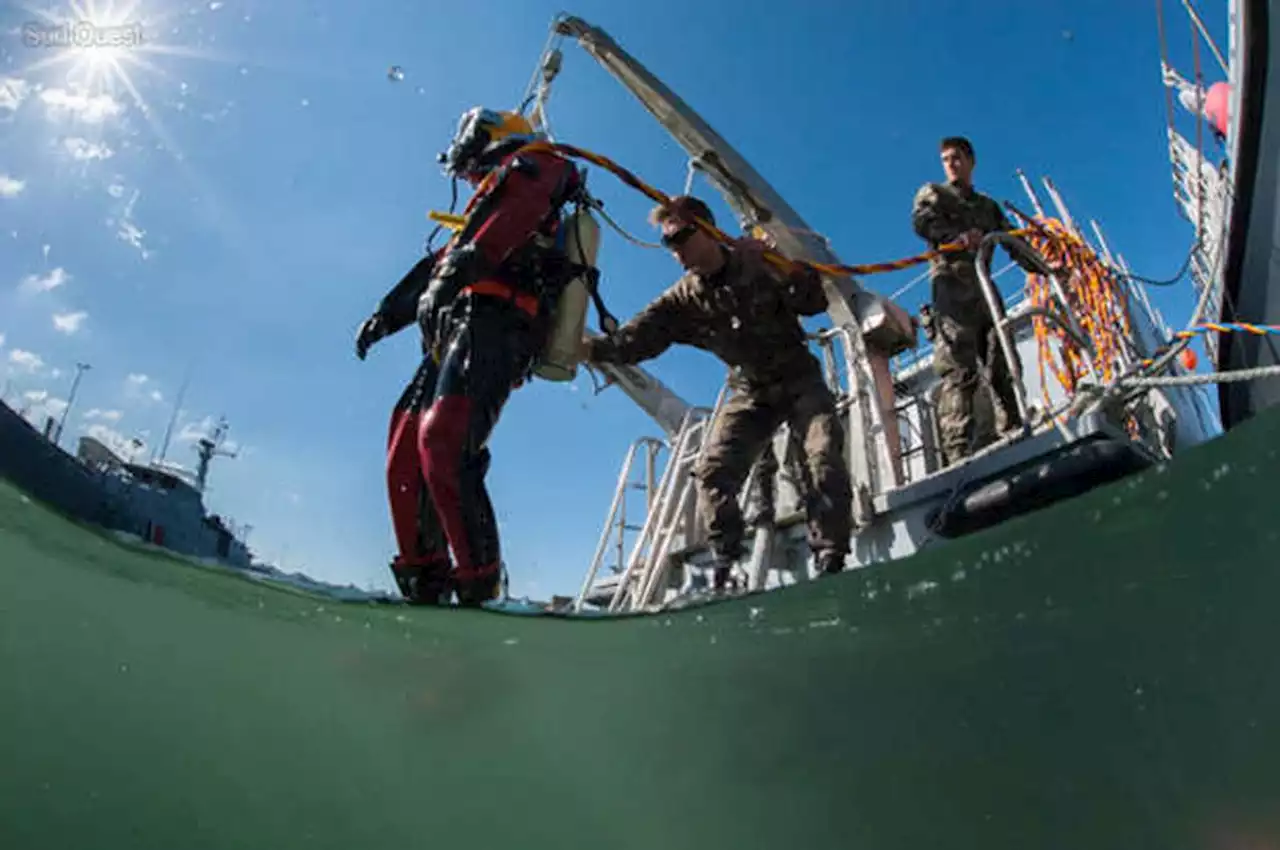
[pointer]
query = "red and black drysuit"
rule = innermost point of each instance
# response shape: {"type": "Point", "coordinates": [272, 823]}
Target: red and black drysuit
{"type": "Point", "coordinates": [483, 303]}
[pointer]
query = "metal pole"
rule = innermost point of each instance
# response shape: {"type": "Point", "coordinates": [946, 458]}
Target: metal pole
{"type": "Point", "coordinates": [159, 456]}
{"type": "Point", "coordinates": [1031, 192]}
{"type": "Point", "coordinates": [1217, 54]}
{"type": "Point", "coordinates": [81, 368]}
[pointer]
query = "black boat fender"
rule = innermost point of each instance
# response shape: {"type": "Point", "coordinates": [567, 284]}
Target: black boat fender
{"type": "Point", "coordinates": [1037, 485]}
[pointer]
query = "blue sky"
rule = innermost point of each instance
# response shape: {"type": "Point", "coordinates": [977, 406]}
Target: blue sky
{"type": "Point", "coordinates": [277, 183]}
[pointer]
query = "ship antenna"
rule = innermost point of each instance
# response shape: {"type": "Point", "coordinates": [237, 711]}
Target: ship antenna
{"type": "Point", "coordinates": [158, 458]}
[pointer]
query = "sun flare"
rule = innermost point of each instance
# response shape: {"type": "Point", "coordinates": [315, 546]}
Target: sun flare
{"type": "Point", "coordinates": [91, 43]}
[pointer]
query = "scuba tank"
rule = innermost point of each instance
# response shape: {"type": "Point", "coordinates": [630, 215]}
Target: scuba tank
{"type": "Point", "coordinates": [559, 359]}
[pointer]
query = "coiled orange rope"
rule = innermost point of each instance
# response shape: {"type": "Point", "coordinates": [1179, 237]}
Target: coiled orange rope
{"type": "Point", "coordinates": [1095, 297]}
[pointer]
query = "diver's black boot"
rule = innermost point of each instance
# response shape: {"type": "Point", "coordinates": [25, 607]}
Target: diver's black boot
{"type": "Point", "coordinates": [476, 587]}
{"type": "Point", "coordinates": [422, 583]}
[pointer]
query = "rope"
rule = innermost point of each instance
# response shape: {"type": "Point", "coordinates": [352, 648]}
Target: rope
{"type": "Point", "coordinates": [1211, 327]}
{"type": "Point", "coordinates": [784, 263]}
{"type": "Point", "coordinates": [1095, 297]}
{"type": "Point", "coordinates": [1164, 63]}
{"type": "Point", "coordinates": [1093, 291]}
{"type": "Point", "coordinates": [1203, 378]}
{"type": "Point", "coordinates": [1200, 119]}
{"type": "Point", "coordinates": [635, 240]}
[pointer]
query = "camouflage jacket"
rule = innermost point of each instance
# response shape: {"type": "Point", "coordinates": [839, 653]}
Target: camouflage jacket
{"type": "Point", "coordinates": [940, 214]}
{"type": "Point", "coordinates": [748, 317]}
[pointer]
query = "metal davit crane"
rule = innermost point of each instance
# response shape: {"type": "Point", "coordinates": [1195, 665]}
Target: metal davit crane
{"type": "Point", "coordinates": [871, 327]}
{"type": "Point", "coordinates": [867, 329]}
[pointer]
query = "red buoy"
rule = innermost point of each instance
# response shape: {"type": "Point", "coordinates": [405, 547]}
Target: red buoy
{"type": "Point", "coordinates": [1217, 103]}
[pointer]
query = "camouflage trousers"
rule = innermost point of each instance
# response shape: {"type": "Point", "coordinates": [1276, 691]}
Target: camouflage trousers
{"type": "Point", "coordinates": [743, 432]}
{"type": "Point", "coordinates": [962, 353]}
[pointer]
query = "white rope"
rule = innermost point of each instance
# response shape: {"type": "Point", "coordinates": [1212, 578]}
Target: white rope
{"type": "Point", "coordinates": [623, 233]}
{"type": "Point", "coordinates": [924, 275]}
{"type": "Point", "coordinates": [1203, 378]}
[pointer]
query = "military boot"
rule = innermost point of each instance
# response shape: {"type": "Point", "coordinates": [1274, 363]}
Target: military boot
{"type": "Point", "coordinates": [829, 562]}
{"type": "Point", "coordinates": [723, 560]}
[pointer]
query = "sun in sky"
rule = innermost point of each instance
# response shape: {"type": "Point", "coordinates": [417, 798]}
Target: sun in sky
{"type": "Point", "coordinates": [96, 45]}
{"type": "Point", "coordinates": [100, 47]}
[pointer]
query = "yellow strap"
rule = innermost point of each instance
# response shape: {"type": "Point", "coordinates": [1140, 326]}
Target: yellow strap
{"type": "Point", "coordinates": [449, 220]}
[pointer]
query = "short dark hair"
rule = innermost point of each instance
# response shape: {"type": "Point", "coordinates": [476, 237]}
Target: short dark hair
{"type": "Point", "coordinates": [960, 143]}
{"type": "Point", "coordinates": [682, 206]}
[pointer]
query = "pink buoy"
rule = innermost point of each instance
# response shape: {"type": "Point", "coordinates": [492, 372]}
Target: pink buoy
{"type": "Point", "coordinates": [1217, 102]}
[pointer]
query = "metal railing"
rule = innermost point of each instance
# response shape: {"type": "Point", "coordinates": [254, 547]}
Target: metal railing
{"type": "Point", "coordinates": [669, 511]}
{"type": "Point", "coordinates": [616, 522]}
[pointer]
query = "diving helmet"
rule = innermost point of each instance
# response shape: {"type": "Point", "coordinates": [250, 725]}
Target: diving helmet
{"type": "Point", "coordinates": [478, 129]}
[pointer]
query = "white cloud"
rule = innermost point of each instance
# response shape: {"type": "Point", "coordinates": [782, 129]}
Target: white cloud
{"type": "Point", "coordinates": [136, 387]}
{"type": "Point", "coordinates": [107, 415]}
{"type": "Point", "coordinates": [132, 234]}
{"type": "Point", "coordinates": [193, 431]}
{"type": "Point", "coordinates": [83, 149]}
{"type": "Point", "coordinates": [40, 406]}
{"type": "Point", "coordinates": [11, 187]}
{"type": "Point", "coordinates": [128, 229]}
{"type": "Point", "coordinates": [116, 190]}
{"type": "Point", "coordinates": [128, 448]}
{"type": "Point", "coordinates": [44, 283]}
{"type": "Point", "coordinates": [13, 91]}
{"type": "Point", "coordinates": [69, 323]}
{"type": "Point", "coordinates": [26, 360]}
{"type": "Point", "coordinates": [1, 340]}
{"type": "Point", "coordinates": [92, 109]}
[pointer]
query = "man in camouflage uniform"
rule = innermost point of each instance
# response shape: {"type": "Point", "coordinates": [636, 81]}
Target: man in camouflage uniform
{"type": "Point", "coordinates": [960, 325]}
{"type": "Point", "coordinates": [733, 303]}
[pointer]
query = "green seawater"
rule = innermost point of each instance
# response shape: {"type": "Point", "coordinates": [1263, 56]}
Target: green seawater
{"type": "Point", "coordinates": [1102, 674]}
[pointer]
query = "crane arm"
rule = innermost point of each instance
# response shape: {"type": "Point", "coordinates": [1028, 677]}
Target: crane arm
{"type": "Point", "coordinates": [650, 395]}
{"type": "Point", "coordinates": [750, 196]}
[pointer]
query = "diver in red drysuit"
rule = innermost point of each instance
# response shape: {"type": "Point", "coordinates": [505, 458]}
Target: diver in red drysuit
{"type": "Point", "coordinates": [483, 304]}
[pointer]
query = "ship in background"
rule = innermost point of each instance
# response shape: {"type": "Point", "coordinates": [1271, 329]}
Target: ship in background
{"type": "Point", "coordinates": [152, 502]}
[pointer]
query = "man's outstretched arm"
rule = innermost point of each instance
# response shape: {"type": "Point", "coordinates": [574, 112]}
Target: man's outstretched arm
{"type": "Point", "coordinates": [649, 333]}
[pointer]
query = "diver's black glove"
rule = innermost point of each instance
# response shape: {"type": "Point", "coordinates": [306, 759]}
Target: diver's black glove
{"type": "Point", "coordinates": [371, 331]}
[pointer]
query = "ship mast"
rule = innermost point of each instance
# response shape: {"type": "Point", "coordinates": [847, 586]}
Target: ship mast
{"type": "Point", "coordinates": [158, 458]}
{"type": "Point", "coordinates": [209, 447]}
